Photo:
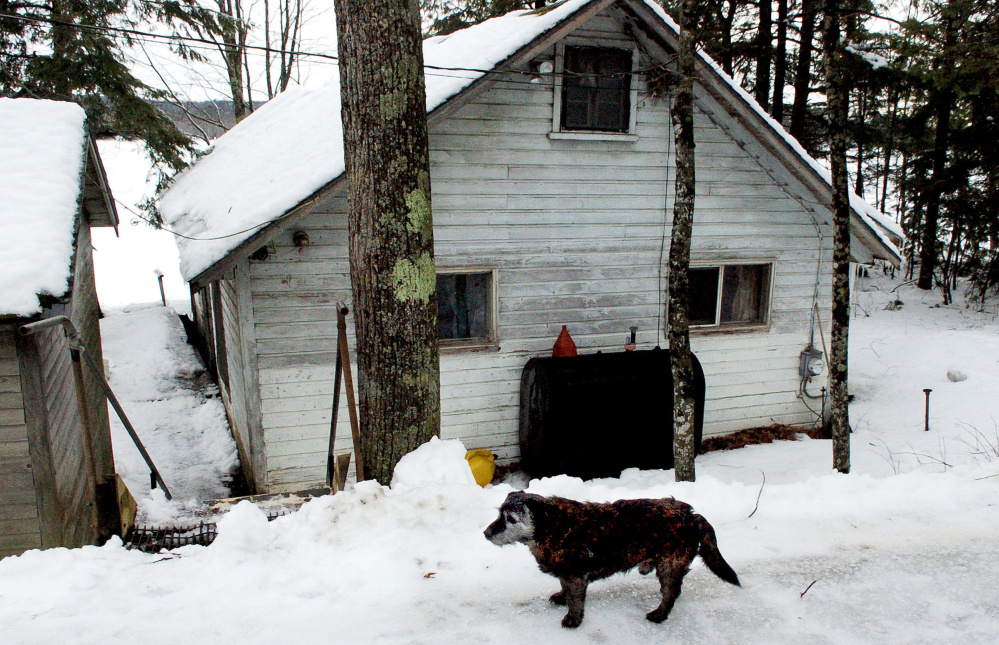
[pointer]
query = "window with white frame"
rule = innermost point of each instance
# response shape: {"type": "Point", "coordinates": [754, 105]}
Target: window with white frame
{"type": "Point", "coordinates": [730, 295]}
{"type": "Point", "coordinates": [594, 91]}
{"type": "Point", "coordinates": [466, 307]}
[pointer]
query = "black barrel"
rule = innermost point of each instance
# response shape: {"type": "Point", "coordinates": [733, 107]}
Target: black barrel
{"type": "Point", "coordinates": [595, 415]}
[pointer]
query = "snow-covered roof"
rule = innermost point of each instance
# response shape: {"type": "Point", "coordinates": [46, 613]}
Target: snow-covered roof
{"type": "Point", "coordinates": [42, 153]}
{"type": "Point", "coordinates": [293, 145]}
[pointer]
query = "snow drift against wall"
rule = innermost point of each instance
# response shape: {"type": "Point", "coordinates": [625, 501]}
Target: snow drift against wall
{"type": "Point", "coordinates": [42, 147]}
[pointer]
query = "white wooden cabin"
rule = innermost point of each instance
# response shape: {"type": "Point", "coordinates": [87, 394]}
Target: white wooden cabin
{"type": "Point", "coordinates": [544, 215]}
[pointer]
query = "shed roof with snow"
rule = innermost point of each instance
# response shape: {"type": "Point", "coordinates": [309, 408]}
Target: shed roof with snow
{"type": "Point", "coordinates": [49, 171]}
{"type": "Point", "coordinates": [292, 147]}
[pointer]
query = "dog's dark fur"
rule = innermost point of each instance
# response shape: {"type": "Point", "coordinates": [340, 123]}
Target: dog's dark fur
{"type": "Point", "coordinates": [582, 542]}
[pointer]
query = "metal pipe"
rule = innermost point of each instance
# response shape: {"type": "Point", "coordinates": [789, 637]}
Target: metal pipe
{"type": "Point", "coordinates": [36, 327]}
{"type": "Point", "coordinates": [927, 423]}
{"type": "Point", "coordinates": [154, 474]}
{"type": "Point", "coordinates": [77, 351]}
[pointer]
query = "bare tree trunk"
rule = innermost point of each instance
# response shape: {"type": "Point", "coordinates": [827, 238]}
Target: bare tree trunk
{"type": "Point", "coordinates": [291, 28]}
{"type": "Point", "coordinates": [780, 63]}
{"type": "Point", "coordinates": [889, 149]}
{"type": "Point", "coordinates": [390, 228]}
{"type": "Point", "coordinates": [725, 22]}
{"type": "Point", "coordinates": [928, 255]}
{"type": "Point", "coordinates": [858, 186]}
{"type": "Point", "coordinates": [802, 74]}
{"type": "Point", "coordinates": [837, 97]}
{"type": "Point", "coordinates": [289, 25]}
{"type": "Point", "coordinates": [231, 45]}
{"type": "Point", "coordinates": [267, 49]}
{"type": "Point", "coordinates": [764, 55]}
{"type": "Point", "coordinates": [677, 299]}
{"type": "Point", "coordinates": [900, 207]}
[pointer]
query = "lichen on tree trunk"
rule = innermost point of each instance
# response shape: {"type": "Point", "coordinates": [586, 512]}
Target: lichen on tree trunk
{"type": "Point", "coordinates": [390, 221]}
{"type": "Point", "coordinates": [837, 100]}
{"type": "Point", "coordinates": [677, 300]}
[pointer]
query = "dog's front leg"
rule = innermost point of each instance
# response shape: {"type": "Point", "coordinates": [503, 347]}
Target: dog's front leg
{"type": "Point", "coordinates": [574, 594]}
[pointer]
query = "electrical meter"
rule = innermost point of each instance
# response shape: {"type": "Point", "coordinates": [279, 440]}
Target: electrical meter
{"type": "Point", "coordinates": [811, 363]}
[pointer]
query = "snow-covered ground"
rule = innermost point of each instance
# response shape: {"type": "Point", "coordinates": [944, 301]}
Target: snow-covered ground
{"type": "Point", "coordinates": [902, 550]}
{"type": "Point", "coordinates": [164, 391]}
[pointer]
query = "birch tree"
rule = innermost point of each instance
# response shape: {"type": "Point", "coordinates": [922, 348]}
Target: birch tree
{"type": "Point", "coordinates": [837, 104]}
{"type": "Point", "coordinates": [390, 228]}
{"type": "Point", "coordinates": [678, 297]}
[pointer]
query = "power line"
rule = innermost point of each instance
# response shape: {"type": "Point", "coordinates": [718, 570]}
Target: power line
{"type": "Point", "coordinates": [187, 237]}
{"type": "Point", "coordinates": [330, 57]}
{"type": "Point", "coordinates": [149, 34]}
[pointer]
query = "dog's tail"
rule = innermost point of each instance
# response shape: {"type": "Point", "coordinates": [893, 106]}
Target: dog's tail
{"type": "Point", "coordinates": [708, 550]}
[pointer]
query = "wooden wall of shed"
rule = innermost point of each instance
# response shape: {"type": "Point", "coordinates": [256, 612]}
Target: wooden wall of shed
{"type": "Point", "coordinates": [575, 229]}
{"type": "Point", "coordinates": [234, 391]}
{"type": "Point", "coordinates": [61, 457]}
{"type": "Point", "coordinates": [85, 314]}
{"type": "Point", "coordinates": [19, 523]}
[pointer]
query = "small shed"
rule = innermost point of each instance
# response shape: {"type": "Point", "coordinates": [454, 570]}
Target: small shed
{"type": "Point", "coordinates": [57, 479]}
{"type": "Point", "coordinates": [552, 168]}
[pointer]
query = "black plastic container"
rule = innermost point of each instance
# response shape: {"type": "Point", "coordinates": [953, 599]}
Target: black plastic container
{"type": "Point", "coordinates": [595, 415]}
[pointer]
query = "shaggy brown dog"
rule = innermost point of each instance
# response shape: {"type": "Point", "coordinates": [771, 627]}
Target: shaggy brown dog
{"type": "Point", "coordinates": [581, 542]}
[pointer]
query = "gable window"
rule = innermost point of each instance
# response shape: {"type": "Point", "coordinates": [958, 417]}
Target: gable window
{"type": "Point", "coordinates": [594, 96]}
{"type": "Point", "coordinates": [596, 89]}
{"type": "Point", "coordinates": [730, 295]}
{"type": "Point", "coordinates": [465, 308]}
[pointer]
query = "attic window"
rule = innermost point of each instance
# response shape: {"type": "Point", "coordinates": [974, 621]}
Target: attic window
{"type": "Point", "coordinates": [465, 308]}
{"type": "Point", "coordinates": [593, 90]}
{"type": "Point", "coordinates": [730, 295]}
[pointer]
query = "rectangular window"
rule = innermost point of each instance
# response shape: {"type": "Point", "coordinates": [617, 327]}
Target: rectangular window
{"type": "Point", "coordinates": [730, 295]}
{"type": "Point", "coordinates": [596, 89]}
{"type": "Point", "coordinates": [465, 310]}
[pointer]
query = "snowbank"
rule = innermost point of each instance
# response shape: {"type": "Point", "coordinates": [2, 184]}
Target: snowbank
{"type": "Point", "coordinates": [434, 463]}
{"type": "Point", "coordinates": [902, 550]}
{"type": "Point", "coordinates": [42, 145]}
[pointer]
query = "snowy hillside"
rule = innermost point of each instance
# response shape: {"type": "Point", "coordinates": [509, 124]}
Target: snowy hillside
{"type": "Point", "coordinates": [902, 550]}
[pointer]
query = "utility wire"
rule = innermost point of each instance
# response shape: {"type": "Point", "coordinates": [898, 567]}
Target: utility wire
{"type": "Point", "coordinates": [186, 237]}
{"type": "Point", "coordinates": [215, 44]}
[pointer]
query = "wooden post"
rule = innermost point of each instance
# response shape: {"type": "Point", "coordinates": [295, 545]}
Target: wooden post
{"type": "Point", "coordinates": [159, 278]}
{"type": "Point", "coordinates": [343, 356]}
{"type": "Point", "coordinates": [341, 329]}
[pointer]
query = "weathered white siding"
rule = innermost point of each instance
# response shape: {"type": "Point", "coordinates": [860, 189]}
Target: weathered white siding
{"type": "Point", "coordinates": [294, 314]}
{"type": "Point", "coordinates": [234, 387]}
{"type": "Point", "coordinates": [575, 230]}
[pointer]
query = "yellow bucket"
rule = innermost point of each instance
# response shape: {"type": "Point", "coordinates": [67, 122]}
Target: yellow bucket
{"type": "Point", "coordinates": [483, 464]}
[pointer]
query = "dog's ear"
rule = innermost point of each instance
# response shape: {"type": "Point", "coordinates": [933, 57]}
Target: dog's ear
{"type": "Point", "coordinates": [535, 504]}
